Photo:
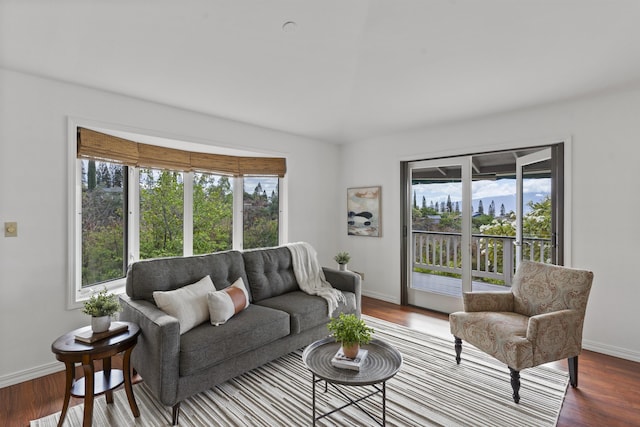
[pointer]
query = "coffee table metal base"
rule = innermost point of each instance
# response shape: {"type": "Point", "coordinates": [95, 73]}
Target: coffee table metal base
{"type": "Point", "coordinates": [382, 363]}
{"type": "Point", "coordinates": [378, 389]}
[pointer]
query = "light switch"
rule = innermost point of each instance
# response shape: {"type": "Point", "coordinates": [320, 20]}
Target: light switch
{"type": "Point", "coordinates": [10, 229]}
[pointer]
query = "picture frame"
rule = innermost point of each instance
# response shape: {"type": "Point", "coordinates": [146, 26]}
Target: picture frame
{"type": "Point", "coordinates": [363, 211]}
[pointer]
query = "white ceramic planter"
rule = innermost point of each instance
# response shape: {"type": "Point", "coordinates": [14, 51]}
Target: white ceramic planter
{"type": "Point", "coordinates": [100, 324]}
{"type": "Point", "coordinates": [343, 267]}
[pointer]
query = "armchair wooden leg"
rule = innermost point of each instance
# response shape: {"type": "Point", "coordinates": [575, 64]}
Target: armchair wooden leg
{"type": "Point", "coordinates": [176, 414]}
{"type": "Point", "coordinates": [458, 349]}
{"type": "Point", "coordinates": [515, 384]}
{"type": "Point", "coordinates": [573, 371]}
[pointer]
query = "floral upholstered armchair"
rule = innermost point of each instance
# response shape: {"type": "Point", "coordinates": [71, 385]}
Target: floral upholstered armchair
{"type": "Point", "coordinates": [538, 321]}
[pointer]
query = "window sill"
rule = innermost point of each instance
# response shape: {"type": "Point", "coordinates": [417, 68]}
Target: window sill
{"type": "Point", "coordinates": [117, 287]}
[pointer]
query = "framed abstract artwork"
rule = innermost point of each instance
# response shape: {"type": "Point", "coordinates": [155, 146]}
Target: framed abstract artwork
{"type": "Point", "coordinates": [363, 211]}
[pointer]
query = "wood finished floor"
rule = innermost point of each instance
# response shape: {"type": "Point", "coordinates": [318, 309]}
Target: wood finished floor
{"type": "Point", "coordinates": [608, 393]}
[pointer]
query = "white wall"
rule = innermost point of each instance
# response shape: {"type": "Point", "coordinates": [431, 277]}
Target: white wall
{"type": "Point", "coordinates": [34, 191]}
{"type": "Point", "coordinates": [604, 130]}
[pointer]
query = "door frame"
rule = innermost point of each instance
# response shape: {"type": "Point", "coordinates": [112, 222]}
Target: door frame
{"type": "Point", "coordinates": [444, 302]}
{"type": "Point", "coordinates": [562, 148]}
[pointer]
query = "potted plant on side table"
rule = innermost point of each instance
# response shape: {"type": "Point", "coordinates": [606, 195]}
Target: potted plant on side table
{"type": "Point", "coordinates": [350, 331]}
{"type": "Point", "coordinates": [101, 306]}
{"type": "Point", "coordinates": [342, 258]}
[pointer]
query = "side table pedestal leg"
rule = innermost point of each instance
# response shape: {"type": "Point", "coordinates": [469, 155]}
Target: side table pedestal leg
{"type": "Point", "coordinates": [128, 386]}
{"type": "Point", "coordinates": [70, 373]}
{"type": "Point", "coordinates": [106, 370]}
{"type": "Point", "coordinates": [89, 379]}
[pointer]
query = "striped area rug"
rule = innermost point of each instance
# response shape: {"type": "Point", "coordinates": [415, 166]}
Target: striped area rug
{"type": "Point", "coordinates": [429, 390]}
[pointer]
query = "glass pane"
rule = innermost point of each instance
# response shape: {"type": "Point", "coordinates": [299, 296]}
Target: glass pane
{"type": "Point", "coordinates": [212, 213]}
{"type": "Point", "coordinates": [436, 230]}
{"type": "Point", "coordinates": [261, 212]}
{"type": "Point", "coordinates": [493, 230]}
{"type": "Point", "coordinates": [536, 219]}
{"type": "Point", "coordinates": [103, 221]}
{"type": "Point", "coordinates": [494, 223]}
{"type": "Point", "coordinates": [161, 213]}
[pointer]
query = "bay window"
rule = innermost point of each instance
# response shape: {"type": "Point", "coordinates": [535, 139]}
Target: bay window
{"type": "Point", "coordinates": [135, 201]}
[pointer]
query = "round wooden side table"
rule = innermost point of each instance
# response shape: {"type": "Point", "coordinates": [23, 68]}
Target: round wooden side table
{"type": "Point", "coordinates": [70, 351]}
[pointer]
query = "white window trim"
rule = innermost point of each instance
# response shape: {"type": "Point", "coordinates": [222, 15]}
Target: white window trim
{"type": "Point", "coordinates": [133, 233]}
{"type": "Point", "coordinates": [238, 214]}
{"type": "Point", "coordinates": [187, 220]}
{"type": "Point", "coordinates": [283, 202]}
{"type": "Point", "coordinates": [76, 294]}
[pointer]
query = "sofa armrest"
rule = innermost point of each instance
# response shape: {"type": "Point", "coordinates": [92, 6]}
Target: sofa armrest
{"type": "Point", "coordinates": [346, 281]}
{"type": "Point", "coordinates": [156, 356]}
{"type": "Point", "coordinates": [488, 301]}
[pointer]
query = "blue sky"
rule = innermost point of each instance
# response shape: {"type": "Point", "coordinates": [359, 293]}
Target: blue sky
{"type": "Point", "coordinates": [268, 184]}
{"type": "Point", "coordinates": [501, 191]}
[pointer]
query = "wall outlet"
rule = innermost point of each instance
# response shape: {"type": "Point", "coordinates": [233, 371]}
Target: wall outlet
{"type": "Point", "coordinates": [10, 229]}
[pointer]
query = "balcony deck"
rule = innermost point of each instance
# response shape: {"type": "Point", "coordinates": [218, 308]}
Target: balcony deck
{"type": "Point", "coordinates": [493, 257]}
{"type": "Point", "coordinates": [448, 285]}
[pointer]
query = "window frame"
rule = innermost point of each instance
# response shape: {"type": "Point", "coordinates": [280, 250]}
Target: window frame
{"type": "Point", "coordinates": [76, 293]}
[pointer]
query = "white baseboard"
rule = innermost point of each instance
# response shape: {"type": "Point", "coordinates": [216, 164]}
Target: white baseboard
{"type": "Point", "coordinates": [379, 296]}
{"type": "Point", "coordinates": [30, 374]}
{"type": "Point", "coordinates": [611, 350]}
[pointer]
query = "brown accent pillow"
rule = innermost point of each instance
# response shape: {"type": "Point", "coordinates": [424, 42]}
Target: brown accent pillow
{"type": "Point", "coordinates": [224, 304]}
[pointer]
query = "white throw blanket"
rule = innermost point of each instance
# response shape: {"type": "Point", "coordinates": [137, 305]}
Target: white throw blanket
{"type": "Point", "coordinates": [310, 276]}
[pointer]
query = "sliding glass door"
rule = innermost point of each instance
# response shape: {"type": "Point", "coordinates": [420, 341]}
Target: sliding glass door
{"type": "Point", "coordinates": [439, 223]}
{"type": "Point", "coordinates": [533, 232]}
{"type": "Point", "coordinates": [469, 220]}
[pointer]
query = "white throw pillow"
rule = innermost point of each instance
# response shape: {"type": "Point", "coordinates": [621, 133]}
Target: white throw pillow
{"type": "Point", "coordinates": [188, 304]}
{"type": "Point", "coordinates": [227, 302]}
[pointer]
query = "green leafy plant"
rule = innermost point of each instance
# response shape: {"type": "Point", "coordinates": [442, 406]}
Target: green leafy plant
{"type": "Point", "coordinates": [102, 304]}
{"type": "Point", "coordinates": [349, 329]}
{"type": "Point", "coordinates": [342, 257]}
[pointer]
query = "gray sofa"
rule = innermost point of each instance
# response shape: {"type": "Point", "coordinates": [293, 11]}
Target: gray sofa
{"type": "Point", "coordinates": [280, 319]}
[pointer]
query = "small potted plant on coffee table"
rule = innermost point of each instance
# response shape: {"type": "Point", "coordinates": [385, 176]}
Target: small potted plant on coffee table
{"type": "Point", "coordinates": [101, 306]}
{"type": "Point", "coordinates": [342, 258]}
{"type": "Point", "coordinates": [350, 331]}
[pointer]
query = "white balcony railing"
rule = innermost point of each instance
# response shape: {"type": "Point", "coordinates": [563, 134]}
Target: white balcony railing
{"type": "Point", "coordinates": [493, 257]}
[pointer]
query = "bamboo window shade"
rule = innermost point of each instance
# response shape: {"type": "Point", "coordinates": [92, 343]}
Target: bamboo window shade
{"type": "Point", "coordinates": [100, 146]}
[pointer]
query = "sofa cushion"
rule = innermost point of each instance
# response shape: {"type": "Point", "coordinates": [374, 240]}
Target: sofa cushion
{"type": "Point", "coordinates": [227, 302]}
{"type": "Point", "coordinates": [206, 345]}
{"type": "Point", "coordinates": [269, 272]}
{"type": "Point", "coordinates": [165, 274]}
{"type": "Point", "coordinates": [307, 311]}
{"type": "Point", "coordinates": [187, 304]}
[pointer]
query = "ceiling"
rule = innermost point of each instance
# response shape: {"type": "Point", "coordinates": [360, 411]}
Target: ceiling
{"type": "Point", "coordinates": [487, 166]}
{"type": "Point", "coordinates": [348, 70]}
